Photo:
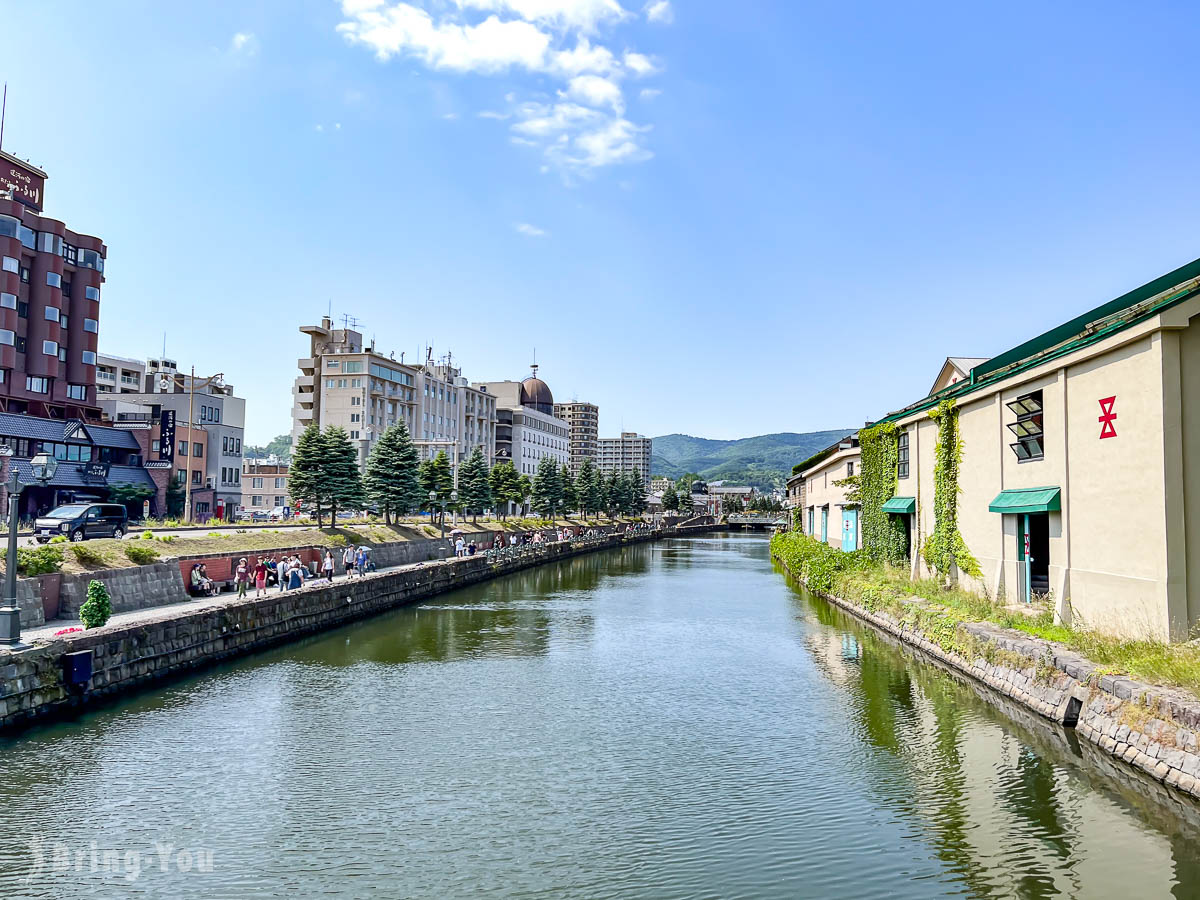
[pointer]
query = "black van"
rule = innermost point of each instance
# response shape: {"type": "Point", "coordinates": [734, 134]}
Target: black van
{"type": "Point", "coordinates": [80, 521]}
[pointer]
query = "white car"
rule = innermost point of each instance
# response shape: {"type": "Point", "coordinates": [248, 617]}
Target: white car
{"type": "Point", "coordinates": [281, 513]}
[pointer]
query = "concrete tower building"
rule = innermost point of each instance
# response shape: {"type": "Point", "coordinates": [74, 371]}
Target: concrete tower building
{"type": "Point", "coordinates": [583, 427]}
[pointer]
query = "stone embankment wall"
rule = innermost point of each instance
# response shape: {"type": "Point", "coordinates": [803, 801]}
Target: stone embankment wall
{"type": "Point", "coordinates": [1152, 728]}
{"type": "Point", "coordinates": [124, 656]}
{"type": "Point", "coordinates": [160, 584]}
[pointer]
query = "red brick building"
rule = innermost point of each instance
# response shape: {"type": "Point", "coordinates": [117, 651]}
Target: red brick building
{"type": "Point", "coordinates": [50, 280]}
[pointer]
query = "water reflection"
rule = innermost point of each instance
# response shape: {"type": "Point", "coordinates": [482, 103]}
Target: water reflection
{"type": "Point", "coordinates": [1007, 799]}
{"type": "Point", "coordinates": [662, 721]}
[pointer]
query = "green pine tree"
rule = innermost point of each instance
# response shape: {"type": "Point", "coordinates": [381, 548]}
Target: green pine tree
{"type": "Point", "coordinates": [637, 493]}
{"type": "Point", "coordinates": [670, 499]}
{"type": "Point", "coordinates": [570, 499]}
{"type": "Point", "coordinates": [503, 482]}
{"type": "Point", "coordinates": [379, 480]}
{"type": "Point", "coordinates": [524, 491]}
{"type": "Point", "coordinates": [585, 487]}
{"type": "Point", "coordinates": [474, 488]}
{"type": "Point", "coordinates": [343, 485]}
{"type": "Point", "coordinates": [306, 474]}
{"type": "Point", "coordinates": [612, 495]}
{"type": "Point", "coordinates": [437, 477]}
{"type": "Point", "coordinates": [546, 494]}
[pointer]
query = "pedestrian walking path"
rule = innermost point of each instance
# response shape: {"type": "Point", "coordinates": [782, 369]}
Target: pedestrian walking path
{"type": "Point", "coordinates": [153, 613]}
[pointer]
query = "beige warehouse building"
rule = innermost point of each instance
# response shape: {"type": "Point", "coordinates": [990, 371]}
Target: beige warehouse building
{"type": "Point", "coordinates": [1080, 474]}
{"type": "Point", "coordinates": [827, 514]}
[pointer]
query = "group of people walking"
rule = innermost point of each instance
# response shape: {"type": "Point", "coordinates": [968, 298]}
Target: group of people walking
{"type": "Point", "coordinates": [286, 572]}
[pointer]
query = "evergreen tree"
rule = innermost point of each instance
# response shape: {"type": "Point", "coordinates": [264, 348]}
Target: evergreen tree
{"type": "Point", "coordinates": [524, 491]}
{"type": "Point", "coordinates": [637, 493]}
{"type": "Point", "coordinates": [474, 490]}
{"type": "Point", "coordinates": [437, 477]}
{"type": "Point", "coordinates": [570, 499]}
{"type": "Point", "coordinates": [612, 495]}
{"type": "Point", "coordinates": [379, 480]}
{"type": "Point", "coordinates": [408, 489]}
{"type": "Point", "coordinates": [342, 482]}
{"type": "Point", "coordinates": [585, 488]}
{"type": "Point", "coordinates": [306, 474]}
{"type": "Point", "coordinates": [670, 499]}
{"type": "Point", "coordinates": [503, 480]}
{"type": "Point", "coordinates": [546, 493]}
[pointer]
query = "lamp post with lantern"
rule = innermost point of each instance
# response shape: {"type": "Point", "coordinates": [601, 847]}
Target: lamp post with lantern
{"type": "Point", "coordinates": [43, 466]}
{"type": "Point", "coordinates": [440, 505]}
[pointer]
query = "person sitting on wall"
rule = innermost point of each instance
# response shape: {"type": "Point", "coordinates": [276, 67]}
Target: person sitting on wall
{"type": "Point", "coordinates": [208, 585]}
{"type": "Point", "coordinates": [195, 583]}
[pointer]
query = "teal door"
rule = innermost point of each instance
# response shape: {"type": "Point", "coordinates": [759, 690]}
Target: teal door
{"type": "Point", "coordinates": [824, 524]}
{"type": "Point", "coordinates": [849, 529]}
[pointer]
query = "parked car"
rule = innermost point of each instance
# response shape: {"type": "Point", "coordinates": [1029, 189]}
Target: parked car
{"type": "Point", "coordinates": [253, 515]}
{"type": "Point", "coordinates": [80, 521]}
{"type": "Point", "coordinates": [281, 513]}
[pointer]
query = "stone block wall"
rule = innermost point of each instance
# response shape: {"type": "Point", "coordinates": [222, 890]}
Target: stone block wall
{"type": "Point", "coordinates": [173, 640]}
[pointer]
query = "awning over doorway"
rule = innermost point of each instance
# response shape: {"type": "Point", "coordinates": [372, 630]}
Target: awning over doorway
{"type": "Point", "coordinates": [1027, 500]}
{"type": "Point", "coordinates": [901, 506]}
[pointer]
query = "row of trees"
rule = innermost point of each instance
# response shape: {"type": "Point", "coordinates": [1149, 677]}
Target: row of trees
{"type": "Point", "coordinates": [325, 478]}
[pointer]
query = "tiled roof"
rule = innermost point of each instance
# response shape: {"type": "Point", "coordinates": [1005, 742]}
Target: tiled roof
{"type": "Point", "coordinates": [36, 429]}
{"type": "Point", "coordinates": [70, 475]}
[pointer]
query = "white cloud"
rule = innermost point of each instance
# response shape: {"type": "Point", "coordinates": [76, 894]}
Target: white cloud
{"type": "Point", "coordinates": [529, 230]}
{"type": "Point", "coordinates": [596, 91]}
{"type": "Point", "coordinates": [639, 64]}
{"type": "Point", "coordinates": [243, 43]}
{"type": "Point", "coordinates": [584, 15]}
{"type": "Point", "coordinates": [583, 127]}
{"type": "Point", "coordinates": [649, 93]}
{"type": "Point", "coordinates": [660, 11]}
{"type": "Point", "coordinates": [450, 116]}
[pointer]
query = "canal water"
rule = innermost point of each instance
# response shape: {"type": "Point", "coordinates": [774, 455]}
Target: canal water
{"type": "Point", "coordinates": [668, 720]}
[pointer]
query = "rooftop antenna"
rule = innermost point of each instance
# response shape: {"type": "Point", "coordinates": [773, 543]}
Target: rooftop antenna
{"type": "Point", "coordinates": [3, 113]}
{"type": "Point", "coordinates": [349, 321]}
{"type": "Point", "coordinates": [534, 366]}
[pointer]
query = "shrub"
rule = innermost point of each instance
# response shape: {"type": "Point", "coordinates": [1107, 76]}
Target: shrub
{"type": "Point", "coordinates": [141, 554]}
{"type": "Point", "coordinates": [59, 539]}
{"type": "Point", "coordinates": [89, 556]}
{"type": "Point", "coordinates": [39, 560]}
{"type": "Point", "coordinates": [147, 535]}
{"type": "Point", "coordinates": [166, 538]}
{"type": "Point", "coordinates": [97, 609]}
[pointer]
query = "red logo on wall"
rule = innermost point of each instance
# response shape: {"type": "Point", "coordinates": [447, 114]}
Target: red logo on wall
{"type": "Point", "coordinates": [1107, 418]}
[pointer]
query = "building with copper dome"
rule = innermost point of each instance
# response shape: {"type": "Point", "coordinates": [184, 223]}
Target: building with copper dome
{"type": "Point", "coordinates": [526, 427]}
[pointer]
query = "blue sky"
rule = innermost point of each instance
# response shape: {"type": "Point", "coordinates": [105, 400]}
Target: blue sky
{"type": "Point", "coordinates": [716, 218]}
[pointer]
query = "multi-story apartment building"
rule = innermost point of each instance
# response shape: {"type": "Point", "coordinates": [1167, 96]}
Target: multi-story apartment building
{"type": "Point", "coordinates": [583, 426]}
{"type": "Point", "coordinates": [627, 453]}
{"type": "Point", "coordinates": [210, 447]}
{"type": "Point", "coordinates": [264, 484]}
{"type": "Point", "coordinates": [658, 485]}
{"type": "Point", "coordinates": [345, 384]}
{"type": "Point", "coordinates": [455, 417]}
{"type": "Point", "coordinates": [118, 375]}
{"type": "Point", "coordinates": [50, 281]}
{"type": "Point", "coordinates": [526, 427]}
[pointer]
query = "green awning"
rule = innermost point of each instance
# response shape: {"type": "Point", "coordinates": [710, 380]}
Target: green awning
{"type": "Point", "coordinates": [901, 505]}
{"type": "Point", "coordinates": [1028, 500]}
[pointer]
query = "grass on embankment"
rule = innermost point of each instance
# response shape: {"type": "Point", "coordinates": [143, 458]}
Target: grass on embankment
{"type": "Point", "coordinates": [95, 555]}
{"type": "Point", "coordinates": [940, 611]}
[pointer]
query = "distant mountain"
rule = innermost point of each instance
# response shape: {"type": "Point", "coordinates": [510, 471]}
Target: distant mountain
{"type": "Point", "coordinates": [765, 461]}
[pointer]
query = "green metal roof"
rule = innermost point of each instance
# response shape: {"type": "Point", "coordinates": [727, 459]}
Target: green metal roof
{"type": "Point", "coordinates": [1068, 337]}
{"type": "Point", "coordinates": [1027, 500]}
{"type": "Point", "coordinates": [901, 505]}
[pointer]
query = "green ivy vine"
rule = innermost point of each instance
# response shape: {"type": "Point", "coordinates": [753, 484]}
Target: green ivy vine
{"type": "Point", "coordinates": [945, 550]}
{"type": "Point", "coordinates": [884, 537]}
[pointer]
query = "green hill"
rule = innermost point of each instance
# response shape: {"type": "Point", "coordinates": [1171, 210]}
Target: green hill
{"type": "Point", "coordinates": [765, 461]}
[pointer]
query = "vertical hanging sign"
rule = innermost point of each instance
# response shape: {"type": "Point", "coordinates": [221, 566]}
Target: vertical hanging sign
{"type": "Point", "coordinates": [166, 436]}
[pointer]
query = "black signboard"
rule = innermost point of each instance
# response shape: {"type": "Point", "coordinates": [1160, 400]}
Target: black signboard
{"type": "Point", "coordinates": [166, 436]}
{"type": "Point", "coordinates": [95, 471]}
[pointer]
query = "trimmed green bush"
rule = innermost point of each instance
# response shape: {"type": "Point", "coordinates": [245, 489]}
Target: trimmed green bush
{"type": "Point", "coordinates": [97, 609]}
{"type": "Point", "coordinates": [39, 560]}
{"type": "Point", "coordinates": [89, 556]}
{"type": "Point", "coordinates": [141, 554]}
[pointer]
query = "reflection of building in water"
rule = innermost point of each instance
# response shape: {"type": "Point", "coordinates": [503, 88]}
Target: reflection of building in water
{"type": "Point", "coordinates": [993, 795]}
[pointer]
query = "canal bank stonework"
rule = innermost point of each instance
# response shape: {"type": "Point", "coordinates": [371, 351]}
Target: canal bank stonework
{"type": "Point", "coordinates": [124, 657]}
{"type": "Point", "coordinates": [1154, 729]}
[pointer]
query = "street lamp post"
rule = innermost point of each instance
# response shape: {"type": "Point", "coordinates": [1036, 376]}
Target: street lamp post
{"type": "Point", "coordinates": [166, 381]}
{"type": "Point", "coordinates": [43, 465]}
{"type": "Point", "coordinates": [434, 501]}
